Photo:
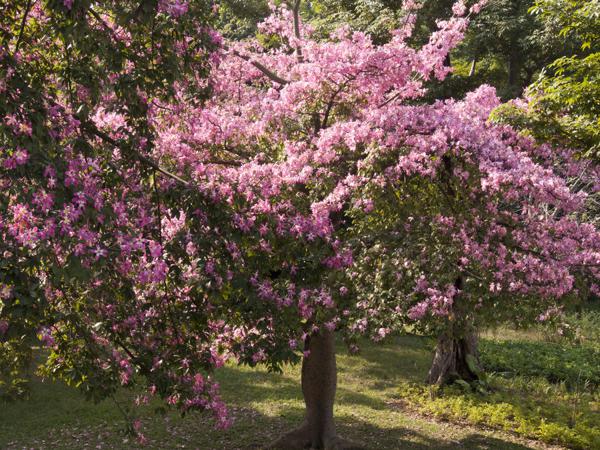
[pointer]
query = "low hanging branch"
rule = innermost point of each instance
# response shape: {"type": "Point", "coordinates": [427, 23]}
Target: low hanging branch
{"type": "Point", "coordinates": [91, 129]}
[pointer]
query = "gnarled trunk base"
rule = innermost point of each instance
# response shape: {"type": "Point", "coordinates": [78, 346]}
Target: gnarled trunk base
{"type": "Point", "coordinates": [300, 439]}
{"type": "Point", "coordinates": [319, 378]}
{"type": "Point", "coordinates": [454, 359]}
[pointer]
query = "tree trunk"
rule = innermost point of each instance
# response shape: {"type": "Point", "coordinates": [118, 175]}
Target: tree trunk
{"type": "Point", "coordinates": [515, 64]}
{"type": "Point", "coordinates": [455, 358]}
{"type": "Point", "coordinates": [456, 355]}
{"type": "Point", "coordinates": [472, 70]}
{"type": "Point", "coordinates": [319, 379]}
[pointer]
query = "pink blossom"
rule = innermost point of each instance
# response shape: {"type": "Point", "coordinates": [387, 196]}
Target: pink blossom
{"type": "Point", "coordinates": [174, 8]}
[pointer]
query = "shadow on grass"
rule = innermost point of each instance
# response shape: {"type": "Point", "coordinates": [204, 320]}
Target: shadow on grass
{"type": "Point", "coordinates": [253, 430]}
{"type": "Point", "coordinates": [249, 391]}
{"type": "Point", "coordinates": [398, 358]}
{"type": "Point", "coordinates": [246, 388]}
{"type": "Point", "coordinates": [264, 406]}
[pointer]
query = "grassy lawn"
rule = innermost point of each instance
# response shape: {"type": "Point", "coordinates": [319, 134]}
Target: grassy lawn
{"type": "Point", "coordinates": [380, 403]}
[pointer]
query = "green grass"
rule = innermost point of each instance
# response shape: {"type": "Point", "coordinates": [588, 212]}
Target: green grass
{"type": "Point", "coordinates": [577, 366]}
{"type": "Point", "coordinates": [369, 409]}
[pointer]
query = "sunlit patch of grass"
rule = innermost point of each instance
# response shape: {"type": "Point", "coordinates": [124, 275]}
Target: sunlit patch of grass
{"type": "Point", "coordinates": [532, 408]}
{"type": "Point", "coordinates": [541, 390]}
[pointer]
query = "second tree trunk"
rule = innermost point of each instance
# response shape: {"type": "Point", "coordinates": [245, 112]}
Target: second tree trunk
{"type": "Point", "coordinates": [456, 357]}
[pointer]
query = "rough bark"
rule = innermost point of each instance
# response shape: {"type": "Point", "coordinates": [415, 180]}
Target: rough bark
{"type": "Point", "coordinates": [456, 355]}
{"type": "Point", "coordinates": [319, 379]}
{"type": "Point", "coordinates": [450, 361]}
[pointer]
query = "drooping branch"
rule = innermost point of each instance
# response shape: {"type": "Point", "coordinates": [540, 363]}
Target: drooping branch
{"type": "Point", "coordinates": [90, 128]}
{"type": "Point", "coordinates": [22, 28]}
{"type": "Point", "coordinates": [265, 70]}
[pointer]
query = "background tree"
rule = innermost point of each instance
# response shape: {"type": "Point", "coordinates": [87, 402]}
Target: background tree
{"type": "Point", "coordinates": [443, 252]}
{"type": "Point", "coordinates": [61, 63]}
{"type": "Point", "coordinates": [561, 106]}
{"type": "Point", "coordinates": [563, 103]}
{"type": "Point", "coordinates": [505, 45]}
{"type": "Point", "coordinates": [237, 19]}
{"type": "Point", "coordinates": [377, 18]}
{"type": "Point", "coordinates": [511, 46]}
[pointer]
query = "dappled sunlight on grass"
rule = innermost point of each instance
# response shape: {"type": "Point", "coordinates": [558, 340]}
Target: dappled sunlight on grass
{"type": "Point", "coordinates": [263, 405]}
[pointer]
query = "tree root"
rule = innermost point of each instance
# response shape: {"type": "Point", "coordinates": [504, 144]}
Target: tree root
{"type": "Point", "coordinates": [300, 439]}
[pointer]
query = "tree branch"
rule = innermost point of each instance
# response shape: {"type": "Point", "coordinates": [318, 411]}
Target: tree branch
{"type": "Point", "coordinates": [90, 128]}
{"type": "Point", "coordinates": [296, 15]}
{"type": "Point", "coordinates": [389, 100]}
{"type": "Point", "coordinates": [266, 71]}
{"type": "Point", "coordinates": [223, 162]}
{"type": "Point", "coordinates": [22, 29]}
{"type": "Point", "coordinates": [331, 102]}
{"type": "Point", "coordinates": [236, 152]}
{"type": "Point", "coordinates": [103, 23]}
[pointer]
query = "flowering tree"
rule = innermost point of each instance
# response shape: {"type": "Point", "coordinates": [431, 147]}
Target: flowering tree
{"type": "Point", "coordinates": [238, 225]}
{"type": "Point", "coordinates": [478, 227]}
{"type": "Point", "coordinates": [459, 222]}
{"type": "Point", "coordinates": [62, 63]}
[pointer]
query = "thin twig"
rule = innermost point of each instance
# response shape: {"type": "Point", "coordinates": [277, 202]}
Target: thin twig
{"type": "Point", "coordinates": [22, 29]}
{"type": "Point", "coordinates": [389, 100]}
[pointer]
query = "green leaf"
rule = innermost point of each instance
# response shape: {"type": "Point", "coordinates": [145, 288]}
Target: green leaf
{"type": "Point", "coordinates": [463, 384]}
{"type": "Point", "coordinates": [473, 365]}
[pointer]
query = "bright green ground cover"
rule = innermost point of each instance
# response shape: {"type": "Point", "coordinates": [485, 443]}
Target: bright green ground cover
{"type": "Point", "coordinates": [381, 402]}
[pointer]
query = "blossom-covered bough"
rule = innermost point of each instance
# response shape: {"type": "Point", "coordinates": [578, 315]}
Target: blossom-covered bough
{"type": "Point", "coordinates": [262, 196]}
{"type": "Point", "coordinates": [79, 222]}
